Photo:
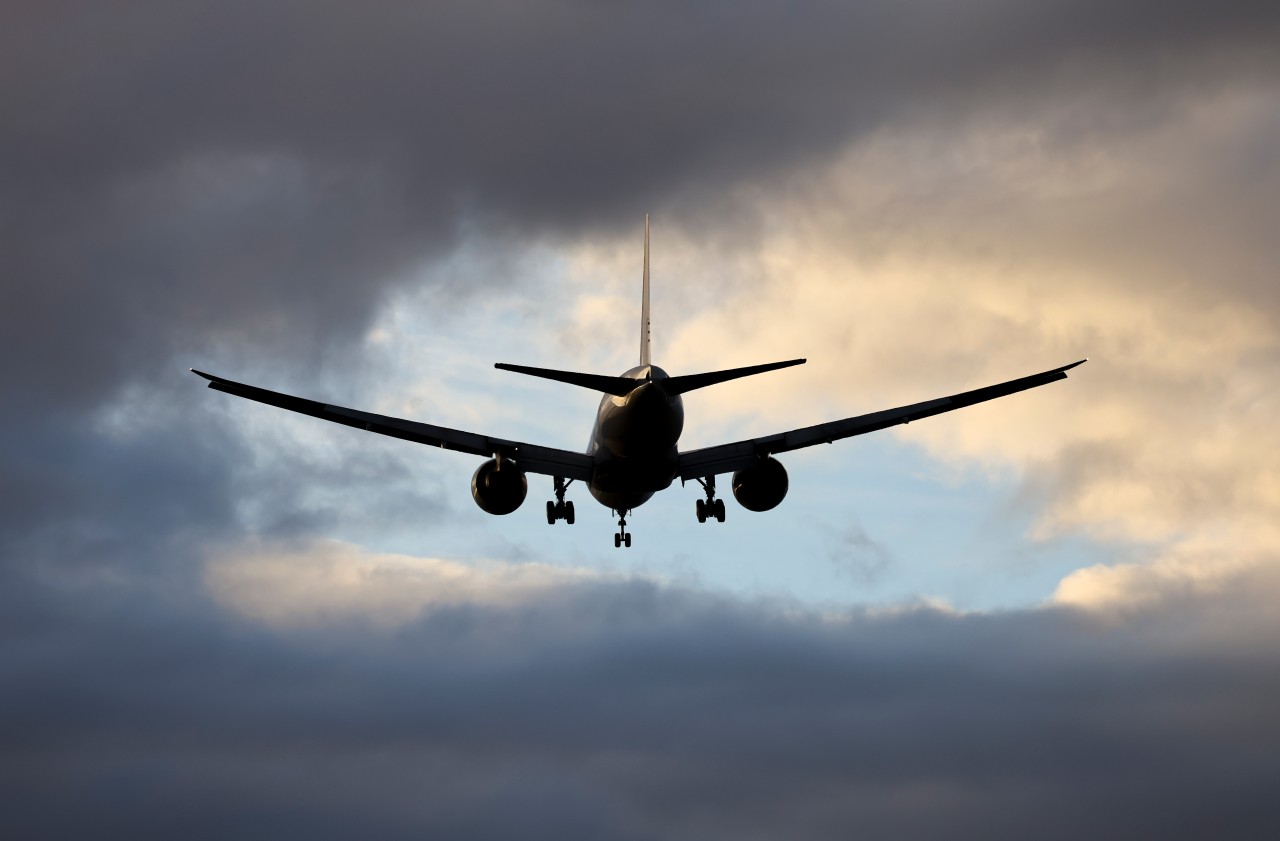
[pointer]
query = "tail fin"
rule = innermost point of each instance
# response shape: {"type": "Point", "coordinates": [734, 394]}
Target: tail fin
{"type": "Point", "coordinates": [644, 301]}
{"type": "Point", "coordinates": [622, 386]}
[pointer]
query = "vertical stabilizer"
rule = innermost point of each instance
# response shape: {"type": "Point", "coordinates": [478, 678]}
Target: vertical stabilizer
{"type": "Point", "coordinates": [644, 302]}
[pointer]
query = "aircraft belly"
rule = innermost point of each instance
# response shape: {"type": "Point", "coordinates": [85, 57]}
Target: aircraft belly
{"type": "Point", "coordinates": [634, 474]}
{"type": "Point", "coordinates": [619, 501]}
{"type": "Point", "coordinates": [627, 483]}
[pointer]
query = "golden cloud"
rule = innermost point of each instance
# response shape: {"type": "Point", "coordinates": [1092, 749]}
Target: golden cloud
{"type": "Point", "coordinates": [320, 582]}
{"type": "Point", "coordinates": [928, 260]}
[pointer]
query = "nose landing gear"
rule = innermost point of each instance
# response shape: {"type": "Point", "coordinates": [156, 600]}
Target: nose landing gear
{"type": "Point", "coordinates": [560, 510]}
{"type": "Point", "coordinates": [623, 537]}
{"type": "Point", "coordinates": [710, 507]}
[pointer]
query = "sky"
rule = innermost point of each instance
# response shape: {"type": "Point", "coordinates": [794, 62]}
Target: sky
{"type": "Point", "coordinates": [1052, 615]}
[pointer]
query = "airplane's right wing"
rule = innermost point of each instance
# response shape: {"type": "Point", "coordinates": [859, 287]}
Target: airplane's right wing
{"type": "Point", "coordinates": [726, 458]}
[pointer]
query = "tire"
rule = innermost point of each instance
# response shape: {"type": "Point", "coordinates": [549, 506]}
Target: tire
{"type": "Point", "coordinates": [617, 541]}
{"type": "Point", "coordinates": [701, 508]}
{"type": "Point", "coordinates": [719, 510]}
{"type": "Point", "coordinates": [551, 513]}
{"type": "Point", "coordinates": [626, 540]}
{"type": "Point", "coordinates": [568, 513]}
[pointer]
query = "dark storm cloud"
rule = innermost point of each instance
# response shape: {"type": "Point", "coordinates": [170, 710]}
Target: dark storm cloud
{"type": "Point", "coordinates": [185, 172]}
{"type": "Point", "coordinates": [631, 711]}
{"type": "Point", "coordinates": [191, 178]}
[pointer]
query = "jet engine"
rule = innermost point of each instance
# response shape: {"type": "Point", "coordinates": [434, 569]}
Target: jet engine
{"type": "Point", "coordinates": [499, 489]}
{"type": "Point", "coordinates": [761, 486]}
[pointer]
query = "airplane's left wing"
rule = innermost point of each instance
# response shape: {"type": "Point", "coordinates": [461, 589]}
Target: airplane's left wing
{"type": "Point", "coordinates": [530, 457]}
{"type": "Point", "coordinates": [726, 458]}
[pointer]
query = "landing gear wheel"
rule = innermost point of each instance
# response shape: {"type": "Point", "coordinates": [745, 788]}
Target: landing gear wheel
{"type": "Point", "coordinates": [710, 507]}
{"type": "Point", "coordinates": [559, 509]}
{"type": "Point", "coordinates": [622, 538]}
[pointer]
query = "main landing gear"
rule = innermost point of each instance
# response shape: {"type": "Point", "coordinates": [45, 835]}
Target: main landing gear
{"type": "Point", "coordinates": [560, 510]}
{"type": "Point", "coordinates": [710, 507]}
{"type": "Point", "coordinates": [623, 537]}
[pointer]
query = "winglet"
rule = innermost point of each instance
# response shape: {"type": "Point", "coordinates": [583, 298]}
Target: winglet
{"type": "Point", "coordinates": [644, 301]}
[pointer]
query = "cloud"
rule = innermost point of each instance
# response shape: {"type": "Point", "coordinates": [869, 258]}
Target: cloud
{"type": "Point", "coordinates": [919, 199]}
{"type": "Point", "coordinates": [1229, 564]}
{"type": "Point", "coordinates": [198, 173]}
{"type": "Point", "coordinates": [228, 183]}
{"type": "Point", "coordinates": [633, 710]}
{"type": "Point", "coordinates": [1042, 250]}
{"type": "Point", "coordinates": [857, 555]}
{"type": "Point", "coordinates": [320, 582]}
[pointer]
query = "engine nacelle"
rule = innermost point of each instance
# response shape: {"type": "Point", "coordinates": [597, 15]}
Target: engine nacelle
{"type": "Point", "coordinates": [499, 490]}
{"type": "Point", "coordinates": [761, 486]}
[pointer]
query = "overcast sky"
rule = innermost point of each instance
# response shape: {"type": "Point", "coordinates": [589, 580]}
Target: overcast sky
{"type": "Point", "coordinates": [1048, 616]}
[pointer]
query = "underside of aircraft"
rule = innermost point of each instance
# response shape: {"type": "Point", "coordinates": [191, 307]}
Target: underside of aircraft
{"type": "Point", "coordinates": [633, 451]}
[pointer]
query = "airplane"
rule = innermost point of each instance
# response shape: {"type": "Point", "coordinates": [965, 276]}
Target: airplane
{"type": "Point", "coordinates": [633, 451]}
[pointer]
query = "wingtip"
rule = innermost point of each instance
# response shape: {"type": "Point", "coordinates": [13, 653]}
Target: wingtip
{"type": "Point", "coordinates": [1074, 364]}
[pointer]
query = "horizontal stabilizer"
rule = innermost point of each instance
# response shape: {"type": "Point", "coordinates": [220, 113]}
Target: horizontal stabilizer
{"type": "Point", "coordinates": [622, 386]}
{"type": "Point", "coordinates": [618, 386]}
{"type": "Point", "coordinates": [679, 385]}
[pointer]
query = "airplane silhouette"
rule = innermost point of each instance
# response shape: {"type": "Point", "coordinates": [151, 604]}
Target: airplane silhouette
{"type": "Point", "coordinates": [633, 451]}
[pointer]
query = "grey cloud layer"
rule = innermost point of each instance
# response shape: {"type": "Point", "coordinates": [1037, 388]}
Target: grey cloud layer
{"type": "Point", "coordinates": [628, 711]}
{"type": "Point", "coordinates": [191, 170]}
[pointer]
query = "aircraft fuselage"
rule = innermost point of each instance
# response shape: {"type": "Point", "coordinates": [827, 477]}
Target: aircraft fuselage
{"type": "Point", "coordinates": [634, 440]}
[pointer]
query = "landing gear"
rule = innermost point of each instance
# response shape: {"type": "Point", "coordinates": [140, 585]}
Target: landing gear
{"type": "Point", "coordinates": [623, 537]}
{"type": "Point", "coordinates": [710, 507]}
{"type": "Point", "coordinates": [559, 509]}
